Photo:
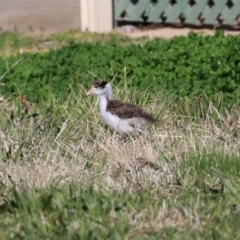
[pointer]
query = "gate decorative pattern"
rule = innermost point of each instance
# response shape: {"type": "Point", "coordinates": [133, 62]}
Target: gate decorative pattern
{"type": "Point", "coordinates": [224, 12]}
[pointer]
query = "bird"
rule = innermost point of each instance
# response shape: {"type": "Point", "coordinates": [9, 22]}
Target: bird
{"type": "Point", "coordinates": [124, 118]}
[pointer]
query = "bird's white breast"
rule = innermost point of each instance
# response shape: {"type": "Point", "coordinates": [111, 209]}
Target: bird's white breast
{"type": "Point", "coordinates": [118, 124]}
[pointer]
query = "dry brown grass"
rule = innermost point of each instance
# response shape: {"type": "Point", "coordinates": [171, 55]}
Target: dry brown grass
{"type": "Point", "coordinates": [62, 147]}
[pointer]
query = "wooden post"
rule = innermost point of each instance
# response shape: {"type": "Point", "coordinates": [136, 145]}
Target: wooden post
{"type": "Point", "coordinates": [96, 16]}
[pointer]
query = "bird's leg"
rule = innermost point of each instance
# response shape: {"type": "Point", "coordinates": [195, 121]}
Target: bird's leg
{"type": "Point", "coordinates": [116, 135]}
{"type": "Point", "coordinates": [145, 133]}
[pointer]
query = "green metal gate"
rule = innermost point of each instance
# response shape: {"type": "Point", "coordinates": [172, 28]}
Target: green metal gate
{"type": "Point", "coordinates": [225, 12]}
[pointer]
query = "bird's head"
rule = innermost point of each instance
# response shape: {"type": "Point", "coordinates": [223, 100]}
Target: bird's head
{"type": "Point", "coordinates": [100, 87]}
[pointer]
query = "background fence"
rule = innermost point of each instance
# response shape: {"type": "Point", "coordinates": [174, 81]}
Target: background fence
{"type": "Point", "coordinates": [39, 16]}
{"type": "Point", "coordinates": [96, 15]}
{"type": "Point", "coordinates": [56, 15]}
{"type": "Point", "coordinates": [203, 12]}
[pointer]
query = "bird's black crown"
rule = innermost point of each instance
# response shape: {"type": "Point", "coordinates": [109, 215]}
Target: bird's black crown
{"type": "Point", "coordinates": [99, 83]}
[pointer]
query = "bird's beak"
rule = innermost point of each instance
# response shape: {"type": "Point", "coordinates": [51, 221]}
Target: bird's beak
{"type": "Point", "coordinates": [91, 91]}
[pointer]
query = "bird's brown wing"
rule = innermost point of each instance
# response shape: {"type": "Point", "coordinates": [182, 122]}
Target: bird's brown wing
{"type": "Point", "coordinates": [127, 110]}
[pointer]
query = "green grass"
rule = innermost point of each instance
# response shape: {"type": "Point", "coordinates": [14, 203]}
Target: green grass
{"type": "Point", "coordinates": [160, 65]}
{"type": "Point", "coordinates": [64, 174]}
{"type": "Point", "coordinates": [77, 212]}
{"type": "Point", "coordinates": [86, 37]}
{"type": "Point", "coordinates": [14, 40]}
{"type": "Point", "coordinates": [11, 43]}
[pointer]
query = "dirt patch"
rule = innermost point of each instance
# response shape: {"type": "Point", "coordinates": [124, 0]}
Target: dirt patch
{"type": "Point", "coordinates": [166, 32]}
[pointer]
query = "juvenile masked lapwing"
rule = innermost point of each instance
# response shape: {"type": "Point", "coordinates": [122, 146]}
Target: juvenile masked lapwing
{"type": "Point", "coordinates": [124, 118]}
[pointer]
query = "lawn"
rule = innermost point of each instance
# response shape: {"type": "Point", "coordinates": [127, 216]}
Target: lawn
{"type": "Point", "coordinates": [65, 175]}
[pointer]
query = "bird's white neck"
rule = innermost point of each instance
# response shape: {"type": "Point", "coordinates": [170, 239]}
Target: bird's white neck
{"type": "Point", "coordinates": [103, 101]}
{"type": "Point", "coordinates": [109, 91]}
{"type": "Point", "coordinates": [104, 98]}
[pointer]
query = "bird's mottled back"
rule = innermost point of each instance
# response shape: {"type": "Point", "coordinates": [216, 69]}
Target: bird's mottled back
{"type": "Point", "coordinates": [128, 110]}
